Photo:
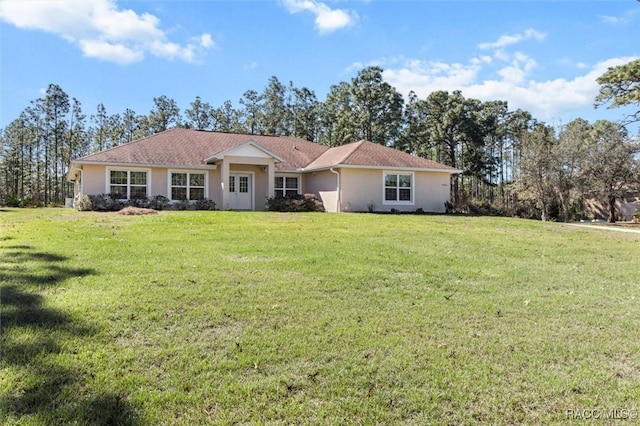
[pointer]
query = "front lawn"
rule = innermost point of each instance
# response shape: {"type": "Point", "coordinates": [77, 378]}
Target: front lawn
{"type": "Point", "coordinates": [226, 317]}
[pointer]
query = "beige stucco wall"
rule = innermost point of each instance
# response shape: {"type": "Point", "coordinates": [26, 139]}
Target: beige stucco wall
{"type": "Point", "coordinates": [159, 182]}
{"type": "Point", "coordinates": [363, 188]}
{"type": "Point", "coordinates": [324, 185]}
{"type": "Point", "coordinates": [433, 190]}
{"type": "Point", "coordinates": [215, 189]}
{"type": "Point", "coordinates": [360, 188]}
{"type": "Point", "coordinates": [93, 179]}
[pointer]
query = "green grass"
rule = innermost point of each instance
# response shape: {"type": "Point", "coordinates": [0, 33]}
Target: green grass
{"type": "Point", "coordinates": [226, 317]}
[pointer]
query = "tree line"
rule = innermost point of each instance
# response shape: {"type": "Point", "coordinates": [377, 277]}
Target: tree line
{"type": "Point", "coordinates": [511, 162]}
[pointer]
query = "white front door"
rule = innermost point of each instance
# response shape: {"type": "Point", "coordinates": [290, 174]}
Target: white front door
{"type": "Point", "coordinates": [240, 192]}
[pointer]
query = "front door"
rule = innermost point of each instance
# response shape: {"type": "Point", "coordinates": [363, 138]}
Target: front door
{"type": "Point", "coordinates": [240, 193]}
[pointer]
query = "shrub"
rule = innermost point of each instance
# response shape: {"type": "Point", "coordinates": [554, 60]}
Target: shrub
{"type": "Point", "coordinates": [82, 202]}
{"type": "Point", "coordinates": [106, 203]}
{"type": "Point", "coordinates": [136, 202]}
{"type": "Point", "coordinates": [180, 205]}
{"type": "Point", "coordinates": [14, 201]}
{"type": "Point", "coordinates": [448, 207]}
{"type": "Point", "coordinates": [295, 203]}
{"type": "Point", "coordinates": [159, 202]}
{"type": "Point", "coordinates": [484, 208]}
{"type": "Point", "coordinates": [204, 204]}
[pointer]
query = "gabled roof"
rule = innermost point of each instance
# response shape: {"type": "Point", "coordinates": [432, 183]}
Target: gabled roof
{"type": "Point", "coordinates": [247, 148]}
{"type": "Point", "coordinates": [372, 155]}
{"type": "Point", "coordinates": [295, 152]}
{"type": "Point", "coordinates": [192, 148]}
{"type": "Point", "coordinates": [195, 148]}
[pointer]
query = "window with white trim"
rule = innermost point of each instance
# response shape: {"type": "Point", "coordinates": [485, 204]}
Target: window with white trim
{"type": "Point", "coordinates": [286, 185]}
{"type": "Point", "coordinates": [128, 184]}
{"type": "Point", "coordinates": [187, 186]}
{"type": "Point", "coordinates": [398, 188]}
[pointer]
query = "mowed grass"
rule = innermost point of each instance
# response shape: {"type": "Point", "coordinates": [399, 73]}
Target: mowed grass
{"type": "Point", "coordinates": [254, 318]}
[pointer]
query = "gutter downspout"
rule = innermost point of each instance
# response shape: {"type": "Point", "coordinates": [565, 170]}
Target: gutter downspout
{"type": "Point", "coordinates": [75, 181]}
{"type": "Point", "coordinates": [81, 190]}
{"type": "Point", "coordinates": [338, 198]}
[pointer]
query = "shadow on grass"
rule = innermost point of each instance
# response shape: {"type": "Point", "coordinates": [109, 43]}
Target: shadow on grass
{"type": "Point", "coordinates": [36, 338]}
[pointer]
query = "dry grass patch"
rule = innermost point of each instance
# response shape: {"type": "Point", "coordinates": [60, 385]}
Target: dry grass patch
{"type": "Point", "coordinates": [136, 211]}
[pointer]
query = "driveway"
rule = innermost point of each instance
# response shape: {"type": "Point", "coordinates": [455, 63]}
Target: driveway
{"type": "Point", "coordinates": [607, 228]}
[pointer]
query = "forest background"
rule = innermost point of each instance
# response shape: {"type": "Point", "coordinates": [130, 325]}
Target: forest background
{"type": "Point", "coordinates": [513, 164]}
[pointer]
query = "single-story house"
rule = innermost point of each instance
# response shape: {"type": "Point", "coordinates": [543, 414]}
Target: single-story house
{"type": "Point", "coordinates": [239, 172]}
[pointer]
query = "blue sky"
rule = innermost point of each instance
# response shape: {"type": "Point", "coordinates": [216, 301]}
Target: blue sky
{"type": "Point", "coordinates": [541, 56]}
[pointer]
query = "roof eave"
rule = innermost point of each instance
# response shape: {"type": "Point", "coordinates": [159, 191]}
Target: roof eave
{"type": "Point", "coordinates": [352, 166]}
{"type": "Point", "coordinates": [204, 166]}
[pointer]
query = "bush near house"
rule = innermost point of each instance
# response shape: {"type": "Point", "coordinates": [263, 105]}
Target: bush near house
{"type": "Point", "coordinates": [295, 203]}
{"type": "Point", "coordinates": [108, 203]}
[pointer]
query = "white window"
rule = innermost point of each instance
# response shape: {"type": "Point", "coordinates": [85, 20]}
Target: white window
{"type": "Point", "coordinates": [243, 184]}
{"type": "Point", "coordinates": [398, 188]}
{"type": "Point", "coordinates": [128, 184]}
{"type": "Point", "coordinates": [286, 185]}
{"type": "Point", "coordinates": [187, 185]}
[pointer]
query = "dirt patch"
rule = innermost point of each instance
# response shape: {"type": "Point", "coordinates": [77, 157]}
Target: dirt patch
{"type": "Point", "coordinates": [136, 211]}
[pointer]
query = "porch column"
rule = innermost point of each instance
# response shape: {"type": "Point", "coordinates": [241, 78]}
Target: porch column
{"type": "Point", "coordinates": [271, 176]}
{"type": "Point", "coordinates": [224, 184]}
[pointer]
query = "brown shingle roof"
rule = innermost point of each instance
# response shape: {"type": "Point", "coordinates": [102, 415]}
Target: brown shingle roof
{"type": "Point", "coordinates": [191, 148]}
{"type": "Point", "coordinates": [184, 147]}
{"type": "Point", "coordinates": [297, 153]}
{"type": "Point", "coordinates": [369, 154]}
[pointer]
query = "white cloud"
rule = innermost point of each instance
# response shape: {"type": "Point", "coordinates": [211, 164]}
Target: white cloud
{"type": "Point", "coordinates": [517, 70]}
{"type": "Point", "coordinates": [612, 20]}
{"type": "Point", "coordinates": [425, 77]}
{"type": "Point", "coordinates": [509, 39]}
{"type": "Point", "coordinates": [505, 75]}
{"type": "Point", "coordinates": [171, 51]}
{"type": "Point", "coordinates": [101, 30]}
{"type": "Point", "coordinates": [625, 18]}
{"type": "Point", "coordinates": [481, 60]}
{"type": "Point", "coordinates": [53, 16]}
{"type": "Point", "coordinates": [327, 19]}
{"type": "Point", "coordinates": [356, 66]}
{"type": "Point", "coordinates": [545, 99]}
{"type": "Point", "coordinates": [206, 41]}
{"type": "Point", "coordinates": [117, 53]}
{"type": "Point", "coordinates": [250, 66]}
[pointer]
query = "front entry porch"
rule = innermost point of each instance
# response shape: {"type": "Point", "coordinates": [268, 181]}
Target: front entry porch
{"type": "Point", "coordinates": [241, 191]}
{"type": "Point", "coordinates": [247, 175]}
